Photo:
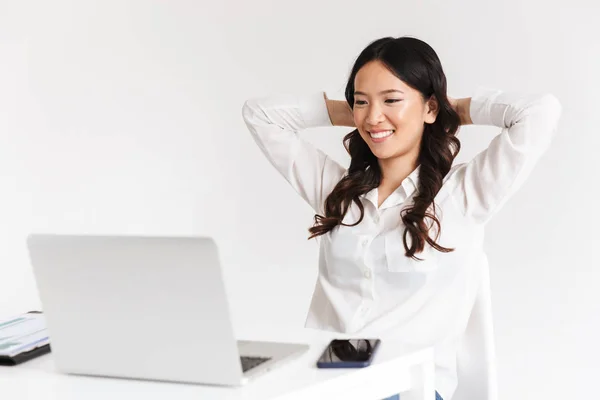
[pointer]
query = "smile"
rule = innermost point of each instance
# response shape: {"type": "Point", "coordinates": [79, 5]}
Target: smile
{"type": "Point", "coordinates": [380, 136]}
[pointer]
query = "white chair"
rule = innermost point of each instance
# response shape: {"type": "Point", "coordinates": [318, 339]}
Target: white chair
{"type": "Point", "coordinates": [477, 379]}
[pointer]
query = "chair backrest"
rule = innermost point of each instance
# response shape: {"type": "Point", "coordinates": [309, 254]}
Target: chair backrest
{"type": "Point", "coordinates": [476, 356]}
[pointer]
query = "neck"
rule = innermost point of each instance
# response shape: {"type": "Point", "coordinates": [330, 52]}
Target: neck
{"type": "Point", "coordinates": [395, 170]}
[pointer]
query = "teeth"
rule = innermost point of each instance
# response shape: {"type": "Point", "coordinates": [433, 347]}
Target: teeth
{"type": "Point", "coordinates": [380, 135]}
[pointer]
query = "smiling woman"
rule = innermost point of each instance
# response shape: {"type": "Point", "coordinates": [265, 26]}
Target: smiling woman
{"type": "Point", "coordinates": [404, 119]}
{"type": "Point", "coordinates": [401, 229]}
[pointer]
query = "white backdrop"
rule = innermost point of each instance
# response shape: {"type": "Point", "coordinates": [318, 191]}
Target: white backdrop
{"type": "Point", "coordinates": [125, 117]}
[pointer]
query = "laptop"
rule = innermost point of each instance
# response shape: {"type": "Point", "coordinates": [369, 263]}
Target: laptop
{"type": "Point", "coordinates": [140, 307]}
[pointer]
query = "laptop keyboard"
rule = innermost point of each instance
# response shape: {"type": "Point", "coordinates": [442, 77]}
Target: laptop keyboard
{"type": "Point", "coordinates": [251, 362]}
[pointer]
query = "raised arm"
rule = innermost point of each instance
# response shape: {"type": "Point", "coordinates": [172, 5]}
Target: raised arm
{"type": "Point", "coordinates": [274, 123]}
{"type": "Point", "coordinates": [528, 125]}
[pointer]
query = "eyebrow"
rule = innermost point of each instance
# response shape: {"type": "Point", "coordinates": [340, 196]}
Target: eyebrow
{"type": "Point", "coordinates": [382, 92]}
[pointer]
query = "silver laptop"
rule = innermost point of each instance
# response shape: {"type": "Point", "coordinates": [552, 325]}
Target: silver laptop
{"type": "Point", "coordinates": [144, 307]}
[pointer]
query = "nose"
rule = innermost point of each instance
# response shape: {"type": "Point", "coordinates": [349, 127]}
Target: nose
{"type": "Point", "coordinates": [374, 116]}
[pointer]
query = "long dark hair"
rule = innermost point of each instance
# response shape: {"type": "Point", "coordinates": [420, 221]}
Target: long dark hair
{"type": "Point", "coordinates": [417, 65]}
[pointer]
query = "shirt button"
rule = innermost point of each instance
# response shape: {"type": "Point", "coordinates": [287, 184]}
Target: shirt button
{"type": "Point", "coordinates": [365, 242]}
{"type": "Point", "coordinates": [367, 273]}
{"type": "Point", "coordinates": [376, 219]}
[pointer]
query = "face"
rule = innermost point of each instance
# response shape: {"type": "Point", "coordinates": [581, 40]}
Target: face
{"type": "Point", "coordinates": [389, 114]}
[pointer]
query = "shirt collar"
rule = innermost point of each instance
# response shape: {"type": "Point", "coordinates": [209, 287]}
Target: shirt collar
{"type": "Point", "coordinates": [398, 196]}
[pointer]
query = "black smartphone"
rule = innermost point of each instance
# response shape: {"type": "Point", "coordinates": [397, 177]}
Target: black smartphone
{"type": "Point", "coordinates": [349, 353]}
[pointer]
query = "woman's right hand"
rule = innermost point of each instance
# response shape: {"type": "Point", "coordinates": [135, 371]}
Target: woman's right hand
{"type": "Point", "coordinates": [340, 112]}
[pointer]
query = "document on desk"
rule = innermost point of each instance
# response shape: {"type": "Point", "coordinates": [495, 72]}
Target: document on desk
{"type": "Point", "coordinates": [22, 333]}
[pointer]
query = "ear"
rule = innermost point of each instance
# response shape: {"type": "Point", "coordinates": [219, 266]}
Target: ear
{"type": "Point", "coordinates": [431, 111]}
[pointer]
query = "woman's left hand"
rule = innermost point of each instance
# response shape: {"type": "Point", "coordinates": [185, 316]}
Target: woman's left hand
{"type": "Point", "coordinates": [462, 108]}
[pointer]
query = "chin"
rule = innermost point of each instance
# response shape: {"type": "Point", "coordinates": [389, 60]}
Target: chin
{"type": "Point", "coordinates": [382, 155]}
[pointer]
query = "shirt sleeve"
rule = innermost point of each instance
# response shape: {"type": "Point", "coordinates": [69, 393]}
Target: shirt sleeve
{"type": "Point", "coordinates": [528, 125]}
{"type": "Point", "coordinates": [274, 123]}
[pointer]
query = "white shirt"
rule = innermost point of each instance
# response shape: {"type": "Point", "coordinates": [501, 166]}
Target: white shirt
{"type": "Point", "coordinates": [366, 285]}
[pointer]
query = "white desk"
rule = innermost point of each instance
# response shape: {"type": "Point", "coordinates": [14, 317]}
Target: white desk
{"type": "Point", "coordinates": [395, 370]}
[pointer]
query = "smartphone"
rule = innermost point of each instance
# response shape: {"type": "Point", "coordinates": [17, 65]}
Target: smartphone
{"type": "Point", "coordinates": [349, 353]}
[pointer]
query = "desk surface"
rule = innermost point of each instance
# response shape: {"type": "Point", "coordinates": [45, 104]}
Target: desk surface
{"type": "Point", "coordinates": [298, 380]}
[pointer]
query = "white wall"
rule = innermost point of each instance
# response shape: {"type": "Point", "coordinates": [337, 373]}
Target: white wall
{"type": "Point", "coordinates": [125, 117]}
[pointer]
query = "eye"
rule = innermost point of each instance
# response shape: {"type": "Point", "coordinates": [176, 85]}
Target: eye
{"type": "Point", "coordinates": [393, 100]}
{"type": "Point", "coordinates": [359, 102]}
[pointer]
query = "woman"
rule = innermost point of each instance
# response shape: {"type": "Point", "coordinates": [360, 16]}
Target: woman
{"type": "Point", "coordinates": [401, 229]}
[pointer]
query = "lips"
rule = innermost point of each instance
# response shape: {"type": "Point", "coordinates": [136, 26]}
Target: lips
{"type": "Point", "coordinates": [380, 135]}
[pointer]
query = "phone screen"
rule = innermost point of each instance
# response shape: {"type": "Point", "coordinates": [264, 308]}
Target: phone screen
{"type": "Point", "coordinates": [349, 350]}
